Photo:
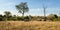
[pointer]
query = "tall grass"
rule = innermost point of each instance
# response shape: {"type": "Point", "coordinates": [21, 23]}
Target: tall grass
{"type": "Point", "coordinates": [31, 25]}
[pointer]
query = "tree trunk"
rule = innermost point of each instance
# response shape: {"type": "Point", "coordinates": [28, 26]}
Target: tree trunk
{"type": "Point", "coordinates": [6, 18]}
{"type": "Point", "coordinates": [23, 15]}
{"type": "Point", "coordinates": [44, 15]}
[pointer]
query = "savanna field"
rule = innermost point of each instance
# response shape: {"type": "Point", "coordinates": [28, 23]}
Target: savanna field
{"type": "Point", "coordinates": [30, 25]}
{"type": "Point", "coordinates": [29, 14]}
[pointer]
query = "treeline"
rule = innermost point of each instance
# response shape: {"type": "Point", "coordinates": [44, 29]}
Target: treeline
{"type": "Point", "coordinates": [23, 8]}
{"type": "Point", "coordinates": [9, 17]}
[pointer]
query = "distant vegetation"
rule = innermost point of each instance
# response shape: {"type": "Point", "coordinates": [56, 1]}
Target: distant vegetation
{"type": "Point", "coordinates": [23, 8]}
{"type": "Point", "coordinates": [9, 17]}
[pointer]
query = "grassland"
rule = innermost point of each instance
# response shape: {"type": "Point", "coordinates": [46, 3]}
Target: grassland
{"type": "Point", "coordinates": [31, 25]}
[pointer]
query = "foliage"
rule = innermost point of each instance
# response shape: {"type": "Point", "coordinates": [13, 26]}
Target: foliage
{"type": "Point", "coordinates": [1, 18]}
{"type": "Point", "coordinates": [7, 15]}
{"type": "Point", "coordinates": [22, 8]}
{"type": "Point", "coordinates": [52, 17]}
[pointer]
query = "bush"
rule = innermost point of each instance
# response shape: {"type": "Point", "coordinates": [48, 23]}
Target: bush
{"type": "Point", "coordinates": [26, 18]}
{"type": "Point", "coordinates": [52, 17]}
{"type": "Point", "coordinates": [1, 18]}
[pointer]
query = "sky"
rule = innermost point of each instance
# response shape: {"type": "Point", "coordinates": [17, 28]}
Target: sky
{"type": "Point", "coordinates": [35, 7]}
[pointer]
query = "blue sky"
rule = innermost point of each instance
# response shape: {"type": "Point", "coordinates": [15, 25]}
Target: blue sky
{"type": "Point", "coordinates": [35, 6]}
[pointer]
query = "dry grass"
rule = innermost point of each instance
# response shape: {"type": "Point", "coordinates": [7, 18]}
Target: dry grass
{"type": "Point", "coordinates": [31, 25]}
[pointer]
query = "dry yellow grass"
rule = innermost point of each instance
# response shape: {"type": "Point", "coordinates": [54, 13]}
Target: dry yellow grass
{"type": "Point", "coordinates": [31, 25]}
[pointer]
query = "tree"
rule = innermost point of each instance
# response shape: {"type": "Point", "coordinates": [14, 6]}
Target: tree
{"type": "Point", "coordinates": [44, 12]}
{"type": "Point", "coordinates": [22, 8]}
{"type": "Point", "coordinates": [7, 14]}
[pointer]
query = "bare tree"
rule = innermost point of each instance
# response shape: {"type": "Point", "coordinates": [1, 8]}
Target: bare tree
{"type": "Point", "coordinates": [44, 8]}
